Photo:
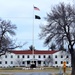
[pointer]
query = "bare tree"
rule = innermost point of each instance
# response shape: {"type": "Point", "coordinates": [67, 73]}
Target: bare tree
{"type": "Point", "coordinates": [61, 27]}
{"type": "Point", "coordinates": [62, 48]}
{"type": "Point", "coordinates": [18, 62]}
{"type": "Point", "coordinates": [52, 46]}
{"type": "Point", "coordinates": [7, 30]}
{"type": "Point", "coordinates": [49, 60]}
{"type": "Point", "coordinates": [31, 47]}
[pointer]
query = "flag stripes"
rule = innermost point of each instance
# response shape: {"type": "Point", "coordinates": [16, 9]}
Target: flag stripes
{"type": "Point", "coordinates": [36, 8]}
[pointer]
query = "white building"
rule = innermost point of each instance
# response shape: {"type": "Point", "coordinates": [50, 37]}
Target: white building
{"type": "Point", "coordinates": [40, 58]}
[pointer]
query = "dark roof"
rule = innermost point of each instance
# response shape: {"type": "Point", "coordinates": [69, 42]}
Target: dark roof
{"type": "Point", "coordinates": [35, 52]}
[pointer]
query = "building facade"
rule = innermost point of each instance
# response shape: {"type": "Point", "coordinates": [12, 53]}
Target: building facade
{"type": "Point", "coordinates": [24, 58]}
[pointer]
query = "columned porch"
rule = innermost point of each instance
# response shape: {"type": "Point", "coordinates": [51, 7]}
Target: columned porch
{"type": "Point", "coordinates": [37, 62]}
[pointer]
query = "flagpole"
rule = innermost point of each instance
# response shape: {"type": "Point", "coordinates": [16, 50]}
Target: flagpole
{"type": "Point", "coordinates": [36, 17]}
{"type": "Point", "coordinates": [33, 35]}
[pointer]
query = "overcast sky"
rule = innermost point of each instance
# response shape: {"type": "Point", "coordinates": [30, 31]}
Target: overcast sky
{"type": "Point", "coordinates": [21, 13]}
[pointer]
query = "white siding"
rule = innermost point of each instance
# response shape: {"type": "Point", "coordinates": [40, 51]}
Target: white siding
{"type": "Point", "coordinates": [11, 59]}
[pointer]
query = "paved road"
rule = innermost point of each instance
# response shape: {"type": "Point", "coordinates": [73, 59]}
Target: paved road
{"type": "Point", "coordinates": [31, 73]}
{"type": "Point", "coordinates": [24, 73]}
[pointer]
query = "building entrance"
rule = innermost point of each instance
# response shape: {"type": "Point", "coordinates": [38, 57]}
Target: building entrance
{"type": "Point", "coordinates": [33, 64]}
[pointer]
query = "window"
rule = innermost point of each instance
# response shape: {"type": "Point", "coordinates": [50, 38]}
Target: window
{"type": "Point", "coordinates": [55, 56]}
{"type": "Point", "coordinates": [49, 56]}
{"type": "Point", "coordinates": [0, 62]}
{"type": "Point", "coordinates": [61, 62]}
{"type": "Point", "coordinates": [28, 56]}
{"type": "Point", "coordinates": [11, 56]}
{"type": "Point", "coordinates": [23, 56]}
{"type": "Point", "coordinates": [23, 62]}
{"type": "Point", "coordinates": [39, 62]}
{"type": "Point", "coordinates": [61, 56]}
{"type": "Point", "coordinates": [44, 56]}
{"type": "Point", "coordinates": [55, 62]}
{"type": "Point", "coordinates": [67, 62]}
{"type": "Point", "coordinates": [28, 62]}
{"type": "Point", "coordinates": [5, 56]}
{"type": "Point", "coordinates": [67, 56]}
{"type": "Point", "coordinates": [39, 56]}
{"type": "Point", "coordinates": [11, 62]}
{"type": "Point", "coordinates": [34, 56]}
{"type": "Point", "coordinates": [18, 56]}
{"type": "Point", "coordinates": [5, 62]}
{"type": "Point", "coordinates": [44, 62]}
